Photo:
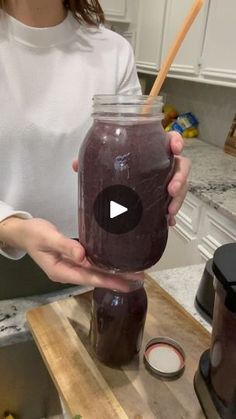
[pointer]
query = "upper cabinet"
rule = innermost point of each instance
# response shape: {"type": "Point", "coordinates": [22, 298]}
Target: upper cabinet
{"type": "Point", "coordinates": [187, 61]}
{"type": "Point", "coordinates": [208, 51]}
{"type": "Point", "coordinates": [149, 35]}
{"type": "Point", "coordinates": [219, 52]}
{"type": "Point", "coordinates": [114, 9]}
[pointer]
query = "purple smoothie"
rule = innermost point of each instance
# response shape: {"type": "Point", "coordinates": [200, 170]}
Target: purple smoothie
{"type": "Point", "coordinates": [117, 324]}
{"type": "Point", "coordinates": [134, 154]}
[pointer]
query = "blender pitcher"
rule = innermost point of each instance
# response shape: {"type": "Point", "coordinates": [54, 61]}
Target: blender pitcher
{"type": "Point", "coordinates": [215, 381]}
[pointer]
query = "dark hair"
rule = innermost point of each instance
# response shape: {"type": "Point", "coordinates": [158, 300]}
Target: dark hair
{"type": "Point", "coordinates": [88, 11]}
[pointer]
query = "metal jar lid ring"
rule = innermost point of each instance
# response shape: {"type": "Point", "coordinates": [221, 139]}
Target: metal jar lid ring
{"type": "Point", "coordinates": [164, 357]}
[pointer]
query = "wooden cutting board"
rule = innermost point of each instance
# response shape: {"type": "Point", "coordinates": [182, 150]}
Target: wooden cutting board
{"type": "Point", "coordinates": [94, 391]}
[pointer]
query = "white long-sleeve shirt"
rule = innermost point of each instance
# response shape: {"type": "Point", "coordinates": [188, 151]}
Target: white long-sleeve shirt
{"type": "Point", "coordinates": [48, 77]}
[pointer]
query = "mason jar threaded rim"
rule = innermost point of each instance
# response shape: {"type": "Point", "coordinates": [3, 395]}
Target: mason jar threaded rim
{"type": "Point", "coordinates": [127, 107]}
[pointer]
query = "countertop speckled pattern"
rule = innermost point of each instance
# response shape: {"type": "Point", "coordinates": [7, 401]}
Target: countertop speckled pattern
{"type": "Point", "coordinates": [213, 176]}
{"type": "Point", "coordinates": [181, 283]}
{"type": "Point", "coordinates": [13, 325]}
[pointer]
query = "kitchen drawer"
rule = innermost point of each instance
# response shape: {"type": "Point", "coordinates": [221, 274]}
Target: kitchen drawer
{"type": "Point", "coordinates": [216, 231]}
{"type": "Point", "coordinates": [188, 218]}
{"type": "Point", "coordinates": [182, 244]}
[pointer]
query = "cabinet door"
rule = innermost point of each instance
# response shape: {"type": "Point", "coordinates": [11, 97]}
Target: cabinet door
{"type": "Point", "coordinates": [187, 61]}
{"type": "Point", "coordinates": [215, 230]}
{"type": "Point", "coordinates": [114, 8]}
{"type": "Point", "coordinates": [149, 34]}
{"type": "Point", "coordinates": [182, 246]}
{"type": "Point", "coordinates": [219, 56]}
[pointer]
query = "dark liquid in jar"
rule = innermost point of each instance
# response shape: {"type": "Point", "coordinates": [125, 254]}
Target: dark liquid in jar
{"type": "Point", "coordinates": [117, 324]}
{"type": "Point", "coordinates": [136, 155]}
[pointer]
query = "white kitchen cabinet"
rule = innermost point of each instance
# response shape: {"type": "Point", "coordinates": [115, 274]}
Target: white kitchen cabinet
{"type": "Point", "coordinates": [178, 252]}
{"type": "Point", "coordinates": [215, 230]}
{"type": "Point", "coordinates": [199, 231]}
{"type": "Point", "coordinates": [187, 61]}
{"type": "Point", "coordinates": [199, 223]}
{"type": "Point", "coordinates": [182, 246]}
{"type": "Point", "coordinates": [149, 34]}
{"type": "Point", "coordinates": [114, 9]}
{"type": "Point", "coordinates": [219, 55]}
{"type": "Point", "coordinates": [158, 24]}
{"type": "Point", "coordinates": [208, 52]}
{"type": "Point", "coordinates": [183, 241]}
{"type": "Point", "coordinates": [126, 25]}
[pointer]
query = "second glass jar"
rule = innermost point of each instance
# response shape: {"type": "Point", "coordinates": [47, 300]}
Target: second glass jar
{"type": "Point", "coordinates": [117, 323]}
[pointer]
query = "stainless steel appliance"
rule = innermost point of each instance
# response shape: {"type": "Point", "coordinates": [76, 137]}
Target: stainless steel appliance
{"type": "Point", "coordinates": [204, 301]}
{"type": "Point", "coordinates": [215, 380]}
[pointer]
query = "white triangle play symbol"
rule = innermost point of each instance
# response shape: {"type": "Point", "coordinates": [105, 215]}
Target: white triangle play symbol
{"type": "Point", "coordinates": [116, 209]}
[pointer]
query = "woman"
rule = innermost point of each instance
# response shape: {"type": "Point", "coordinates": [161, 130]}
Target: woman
{"type": "Point", "coordinates": [54, 56]}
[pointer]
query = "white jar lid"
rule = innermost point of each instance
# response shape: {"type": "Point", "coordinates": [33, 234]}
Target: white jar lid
{"type": "Point", "coordinates": [164, 357]}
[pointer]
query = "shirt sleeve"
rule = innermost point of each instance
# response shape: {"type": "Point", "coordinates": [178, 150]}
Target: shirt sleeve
{"type": "Point", "coordinates": [7, 211]}
{"type": "Point", "coordinates": [128, 83]}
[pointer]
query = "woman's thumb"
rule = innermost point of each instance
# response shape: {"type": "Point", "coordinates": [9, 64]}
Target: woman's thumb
{"type": "Point", "coordinates": [69, 248]}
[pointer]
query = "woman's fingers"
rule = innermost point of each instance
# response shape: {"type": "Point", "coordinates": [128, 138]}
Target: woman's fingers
{"type": "Point", "coordinates": [67, 272]}
{"type": "Point", "coordinates": [178, 185]}
{"type": "Point", "coordinates": [86, 274]}
{"type": "Point", "coordinates": [64, 246]}
{"type": "Point", "coordinates": [176, 142]}
{"type": "Point", "coordinates": [178, 182]}
{"type": "Point", "coordinates": [75, 165]}
{"type": "Point", "coordinates": [63, 259]}
{"type": "Point", "coordinates": [172, 221]}
{"type": "Point", "coordinates": [177, 201]}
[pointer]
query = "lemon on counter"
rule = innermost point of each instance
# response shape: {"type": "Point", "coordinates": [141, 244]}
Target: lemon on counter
{"type": "Point", "coordinates": [190, 132]}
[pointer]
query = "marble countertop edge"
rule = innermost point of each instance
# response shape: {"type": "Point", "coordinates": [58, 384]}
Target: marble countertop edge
{"type": "Point", "coordinates": [230, 214]}
{"type": "Point", "coordinates": [13, 323]}
{"type": "Point", "coordinates": [212, 177]}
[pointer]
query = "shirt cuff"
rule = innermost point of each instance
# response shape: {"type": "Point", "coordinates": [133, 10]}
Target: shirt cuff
{"type": "Point", "coordinates": [5, 250]}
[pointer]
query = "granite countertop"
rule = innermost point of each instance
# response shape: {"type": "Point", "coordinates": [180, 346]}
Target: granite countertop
{"type": "Point", "coordinates": [213, 176]}
{"type": "Point", "coordinates": [13, 325]}
{"type": "Point", "coordinates": [181, 283]}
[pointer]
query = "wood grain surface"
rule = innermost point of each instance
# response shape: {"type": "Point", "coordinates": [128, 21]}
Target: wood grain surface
{"type": "Point", "coordinates": [95, 391]}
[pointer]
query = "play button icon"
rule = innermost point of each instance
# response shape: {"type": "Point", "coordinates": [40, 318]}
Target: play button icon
{"type": "Point", "coordinates": [118, 209]}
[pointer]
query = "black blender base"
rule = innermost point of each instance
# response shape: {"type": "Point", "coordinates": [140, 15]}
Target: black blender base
{"type": "Point", "coordinates": [204, 395]}
{"type": "Point", "coordinates": [210, 403]}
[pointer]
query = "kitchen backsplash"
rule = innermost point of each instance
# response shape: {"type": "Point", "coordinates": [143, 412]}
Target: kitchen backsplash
{"type": "Point", "coordinates": [214, 106]}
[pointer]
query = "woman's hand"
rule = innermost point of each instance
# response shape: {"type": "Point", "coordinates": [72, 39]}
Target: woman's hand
{"type": "Point", "coordinates": [178, 186]}
{"type": "Point", "coordinates": [61, 258]}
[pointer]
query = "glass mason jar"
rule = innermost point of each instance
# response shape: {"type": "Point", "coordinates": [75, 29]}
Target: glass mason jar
{"type": "Point", "coordinates": [125, 165]}
{"type": "Point", "coordinates": [117, 323]}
